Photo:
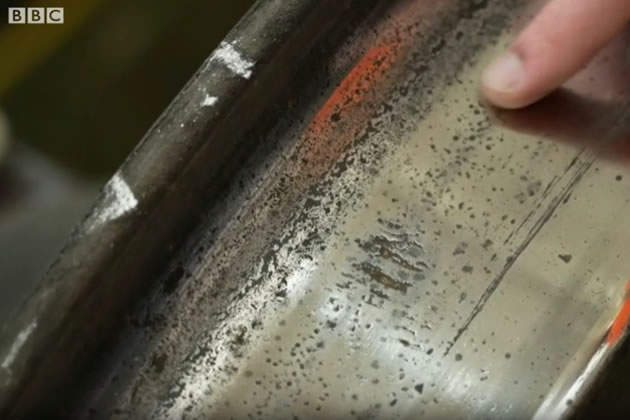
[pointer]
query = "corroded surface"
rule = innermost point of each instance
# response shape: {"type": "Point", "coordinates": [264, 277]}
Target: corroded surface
{"type": "Point", "coordinates": [396, 249]}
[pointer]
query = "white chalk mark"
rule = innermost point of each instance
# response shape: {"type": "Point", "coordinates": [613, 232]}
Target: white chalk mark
{"type": "Point", "coordinates": [209, 100]}
{"type": "Point", "coordinates": [119, 200]}
{"type": "Point", "coordinates": [233, 60]}
{"type": "Point", "coordinates": [17, 345]}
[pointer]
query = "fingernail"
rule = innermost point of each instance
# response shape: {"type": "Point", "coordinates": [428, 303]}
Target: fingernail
{"type": "Point", "coordinates": [504, 74]}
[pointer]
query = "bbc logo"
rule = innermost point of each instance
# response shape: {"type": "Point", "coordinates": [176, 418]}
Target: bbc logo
{"type": "Point", "coordinates": [50, 15]}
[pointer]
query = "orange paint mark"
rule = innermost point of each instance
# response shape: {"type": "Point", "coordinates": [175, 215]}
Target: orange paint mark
{"type": "Point", "coordinates": [369, 69]}
{"type": "Point", "coordinates": [620, 323]}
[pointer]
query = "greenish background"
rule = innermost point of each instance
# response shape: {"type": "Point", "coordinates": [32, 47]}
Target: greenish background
{"type": "Point", "coordinates": [85, 92]}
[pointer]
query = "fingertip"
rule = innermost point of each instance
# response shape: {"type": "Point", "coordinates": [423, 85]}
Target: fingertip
{"type": "Point", "coordinates": [560, 41]}
{"type": "Point", "coordinates": [505, 100]}
{"type": "Point", "coordinates": [502, 100]}
{"type": "Point", "coordinates": [504, 83]}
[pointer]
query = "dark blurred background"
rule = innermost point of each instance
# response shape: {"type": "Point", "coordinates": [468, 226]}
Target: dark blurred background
{"type": "Point", "coordinates": [85, 92]}
{"type": "Point", "coordinates": [78, 97]}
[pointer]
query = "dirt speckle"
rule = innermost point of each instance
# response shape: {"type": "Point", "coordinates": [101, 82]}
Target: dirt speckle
{"type": "Point", "coordinates": [565, 257]}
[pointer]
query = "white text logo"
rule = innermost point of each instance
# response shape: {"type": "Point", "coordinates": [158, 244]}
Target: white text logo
{"type": "Point", "coordinates": [36, 15]}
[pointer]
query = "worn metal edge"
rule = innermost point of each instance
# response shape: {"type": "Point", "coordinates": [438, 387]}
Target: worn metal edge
{"type": "Point", "coordinates": [602, 384]}
{"type": "Point", "coordinates": [154, 199]}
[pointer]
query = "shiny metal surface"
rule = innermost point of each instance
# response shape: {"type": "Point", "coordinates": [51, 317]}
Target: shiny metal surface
{"type": "Point", "coordinates": [396, 249]}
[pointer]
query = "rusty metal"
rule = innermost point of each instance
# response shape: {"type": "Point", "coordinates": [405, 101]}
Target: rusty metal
{"type": "Point", "coordinates": [386, 245]}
